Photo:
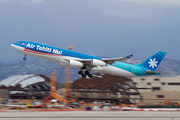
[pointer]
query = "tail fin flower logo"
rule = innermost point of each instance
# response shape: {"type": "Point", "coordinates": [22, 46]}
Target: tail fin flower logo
{"type": "Point", "coordinates": [153, 63]}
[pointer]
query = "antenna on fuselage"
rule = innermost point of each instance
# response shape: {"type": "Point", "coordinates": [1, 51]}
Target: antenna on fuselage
{"type": "Point", "coordinates": [71, 47]}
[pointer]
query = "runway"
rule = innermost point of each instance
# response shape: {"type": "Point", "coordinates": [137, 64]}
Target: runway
{"type": "Point", "coordinates": [91, 115]}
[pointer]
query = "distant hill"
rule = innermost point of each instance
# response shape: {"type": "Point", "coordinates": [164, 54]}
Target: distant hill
{"type": "Point", "coordinates": [46, 67]}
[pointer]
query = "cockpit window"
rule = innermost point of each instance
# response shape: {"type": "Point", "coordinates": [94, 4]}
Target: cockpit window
{"type": "Point", "coordinates": [18, 43]}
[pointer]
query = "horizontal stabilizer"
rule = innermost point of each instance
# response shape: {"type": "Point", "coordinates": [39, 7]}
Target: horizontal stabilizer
{"type": "Point", "coordinates": [154, 72]}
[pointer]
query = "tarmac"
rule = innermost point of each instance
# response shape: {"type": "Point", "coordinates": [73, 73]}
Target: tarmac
{"type": "Point", "coordinates": [90, 115]}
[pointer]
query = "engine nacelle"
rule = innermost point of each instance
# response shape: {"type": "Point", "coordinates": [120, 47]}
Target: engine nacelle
{"type": "Point", "coordinates": [98, 62]}
{"type": "Point", "coordinates": [75, 63]}
{"type": "Point", "coordinates": [72, 63]}
{"type": "Point", "coordinates": [62, 61]}
{"type": "Point", "coordinates": [98, 68]}
{"type": "Point", "coordinates": [64, 65]}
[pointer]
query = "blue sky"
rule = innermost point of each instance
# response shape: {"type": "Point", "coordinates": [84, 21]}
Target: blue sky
{"type": "Point", "coordinates": [110, 28]}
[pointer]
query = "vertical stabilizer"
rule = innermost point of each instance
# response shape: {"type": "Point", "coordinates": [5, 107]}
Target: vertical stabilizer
{"type": "Point", "coordinates": [153, 62]}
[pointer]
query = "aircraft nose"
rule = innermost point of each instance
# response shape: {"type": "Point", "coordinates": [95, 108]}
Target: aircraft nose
{"type": "Point", "coordinates": [13, 45]}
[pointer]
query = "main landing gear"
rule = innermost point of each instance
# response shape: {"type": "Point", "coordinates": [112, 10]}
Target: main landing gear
{"type": "Point", "coordinates": [25, 58]}
{"type": "Point", "coordinates": [86, 73]}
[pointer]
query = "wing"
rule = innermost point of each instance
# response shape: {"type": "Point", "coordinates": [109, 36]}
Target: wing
{"type": "Point", "coordinates": [113, 60]}
{"type": "Point", "coordinates": [105, 60]}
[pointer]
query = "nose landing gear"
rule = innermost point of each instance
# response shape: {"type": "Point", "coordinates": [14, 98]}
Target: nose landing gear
{"type": "Point", "coordinates": [25, 58]}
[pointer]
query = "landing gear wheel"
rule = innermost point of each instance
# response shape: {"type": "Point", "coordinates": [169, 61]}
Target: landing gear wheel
{"type": "Point", "coordinates": [87, 72]}
{"type": "Point", "coordinates": [24, 58]}
{"type": "Point", "coordinates": [80, 72]}
{"type": "Point", "coordinates": [84, 75]}
{"type": "Point", "coordinates": [90, 75]}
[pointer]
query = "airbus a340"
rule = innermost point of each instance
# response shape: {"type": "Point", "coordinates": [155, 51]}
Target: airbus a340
{"type": "Point", "coordinates": [86, 63]}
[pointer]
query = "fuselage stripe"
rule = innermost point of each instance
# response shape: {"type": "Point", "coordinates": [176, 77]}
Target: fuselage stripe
{"type": "Point", "coordinates": [42, 53]}
{"type": "Point", "coordinates": [160, 56]}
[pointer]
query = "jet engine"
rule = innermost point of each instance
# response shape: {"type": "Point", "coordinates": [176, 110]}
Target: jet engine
{"type": "Point", "coordinates": [97, 68]}
{"type": "Point", "coordinates": [64, 65]}
{"type": "Point", "coordinates": [72, 63]}
{"type": "Point", "coordinates": [98, 62]}
{"type": "Point", "coordinates": [75, 63]}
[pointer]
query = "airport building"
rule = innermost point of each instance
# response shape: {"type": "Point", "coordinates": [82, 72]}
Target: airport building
{"type": "Point", "coordinates": [156, 90]}
{"type": "Point", "coordinates": [25, 87]}
{"type": "Point", "coordinates": [102, 87]}
{"type": "Point", "coordinates": [106, 87]}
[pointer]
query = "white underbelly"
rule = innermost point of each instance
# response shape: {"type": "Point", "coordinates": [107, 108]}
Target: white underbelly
{"type": "Point", "coordinates": [116, 71]}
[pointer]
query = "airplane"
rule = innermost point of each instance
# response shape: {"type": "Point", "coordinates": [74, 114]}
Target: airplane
{"type": "Point", "coordinates": [87, 63]}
